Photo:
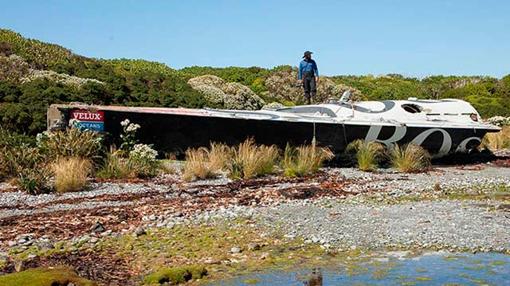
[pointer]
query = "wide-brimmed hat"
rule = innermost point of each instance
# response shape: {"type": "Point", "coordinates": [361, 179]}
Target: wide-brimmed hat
{"type": "Point", "coordinates": [307, 53]}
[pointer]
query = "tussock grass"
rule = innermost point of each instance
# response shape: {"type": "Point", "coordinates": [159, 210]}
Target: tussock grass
{"type": "Point", "coordinates": [71, 174]}
{"type": "Point", "coordinates": [72, 143]}
{"type": "Point", "coordinates": [499, 140]}
{"type": "Point", "coordinates": [368, 154]}
{"type": "Point", "coordinates": [409, 158]}
{"type": "Point", "coordinates": [304, 160]}
{"type": "Point", "coordinates": [198, 166]}
{"type": "Point", "coordinates": [204, 163]}
{"type": "Point", "coordinates": [219, 156]}
{"type": "Point", "coordinates": [115, 167]}
{"type": "Point", "coordinates": [250, 160]}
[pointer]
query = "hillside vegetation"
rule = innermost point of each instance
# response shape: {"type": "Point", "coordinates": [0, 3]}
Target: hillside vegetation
{"type": "Point", "coordinates": [34, 74]}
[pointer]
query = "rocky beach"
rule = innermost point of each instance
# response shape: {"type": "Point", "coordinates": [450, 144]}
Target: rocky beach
{"type": "Point", "coordinates": [452, 208]}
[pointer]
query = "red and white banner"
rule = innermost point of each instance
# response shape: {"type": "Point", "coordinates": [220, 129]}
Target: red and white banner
{"type": "Point", "coordinates": [86, 115]}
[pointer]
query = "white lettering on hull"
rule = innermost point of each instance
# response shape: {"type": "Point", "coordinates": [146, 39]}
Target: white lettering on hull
{"type": "Point", "coordinates": [373, 134]}
{"type": "Point", "coordinates": [400, 132]}
{"type": "Point", "coordinates": [463, 145]}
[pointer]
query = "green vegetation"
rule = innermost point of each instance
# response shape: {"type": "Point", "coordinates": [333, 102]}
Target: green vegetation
{"type": "Point", "coordinates": [59, 276]}
{"type": "Point", "coordinates": [368, 154]}
{"type": "Point", "coordinates": [71, 143]}
{"type": "Point", "coordinates": [304, 160]}
{"type": "Point", "coordinates": [409, 158]}
{"type": "Point", "coordinates": [176, 275]}
{"type": "Point", "coordinates": [34, 74]}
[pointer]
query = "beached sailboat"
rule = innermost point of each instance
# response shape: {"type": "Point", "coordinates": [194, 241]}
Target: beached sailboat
{"type": "Point", "coordinates": [440, 126]}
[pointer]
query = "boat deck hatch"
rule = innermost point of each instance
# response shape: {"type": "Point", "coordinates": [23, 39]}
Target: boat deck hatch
{"type": "Point", "coordinates": [412, 108]}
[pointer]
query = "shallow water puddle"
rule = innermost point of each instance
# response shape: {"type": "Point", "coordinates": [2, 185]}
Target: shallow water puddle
{"type": "Point", "coordinates": [434, 268]}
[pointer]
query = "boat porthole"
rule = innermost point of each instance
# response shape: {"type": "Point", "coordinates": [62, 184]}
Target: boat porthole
{"type": "Point", "coordinates": [412, 108]}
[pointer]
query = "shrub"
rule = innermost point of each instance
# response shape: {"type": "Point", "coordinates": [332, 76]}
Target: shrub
{"type": "Point", "coordinates": [71, 174]}
{"type": "Point", "coordinates": [499, 140]}
{"type": "Point", "coordinates": [230, 95]}
{"type": "Point", "coordinates": [71, 143]}
{"type": "Point", "coordinates": [250, 160]}
{"type": "Point", "coordinates": [128, 135]}
{"type": "Point", "coordinates": [304, 160]}
{"type": "Point", "coordinates": [409, 158]}
{"type": "Point", "coordinates": [27, 164]}
{"type": "Point", "coordinates": [368, 154]}
{"type": "Point", "coordinates": [142, 161]}
{"type": "Point", "coordinates": [34, 180]}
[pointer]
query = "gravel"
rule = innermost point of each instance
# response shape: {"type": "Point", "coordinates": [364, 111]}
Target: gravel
{"type": "Point", "coordinates": [342, 222]}
{"type": "Point", "coordinates": [444, 224]}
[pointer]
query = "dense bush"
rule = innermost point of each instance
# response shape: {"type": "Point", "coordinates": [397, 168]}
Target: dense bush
{"type": "Point", "coordinates": [34, 75]}
{"type": "Point", "coordinates": [229, 95]}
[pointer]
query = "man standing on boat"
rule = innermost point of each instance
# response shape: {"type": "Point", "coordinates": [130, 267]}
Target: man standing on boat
{"type": "Point", "coordinates": [308, 74]}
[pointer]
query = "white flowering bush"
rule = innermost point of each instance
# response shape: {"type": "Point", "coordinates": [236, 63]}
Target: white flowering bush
{"type": "Point", "coordinates": [132, 160]}
{"type": "Point", "coordinates": [143, 162]}
{"type": "Point", "coordinates": [13, 68]}
{"type": "Point", "coordinates": [128, 135]}
{"type": "Point", "coordinates": [229, 95]}
{"type": "Point", "coordinates": [499, 120]}
{"type": "Point", "coordinates": [58, 77]}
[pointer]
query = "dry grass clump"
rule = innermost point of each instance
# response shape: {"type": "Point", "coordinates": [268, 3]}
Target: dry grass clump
{"type": "Point", "coordinates": [498, 140]}
{"type": "Point", "coordinates": [409, 158]}
{"type": "Point", "coordinates": [250, 160]}
{"type": "Point", "coordinates": [203, 163]}
{"type": "Point", "coordinates": [219, 156]}
{"type": "Point", "coordinates": [368, 154]}
{"type": "Point", "coordinates": [304, 160]}
{"type": "Point", "coordinates": [71, 174]}
{"type": "Point", "coordinates": [197, 165]}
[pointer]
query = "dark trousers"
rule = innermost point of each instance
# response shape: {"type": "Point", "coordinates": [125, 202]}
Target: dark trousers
{"type": "Point", "coordinates": [309, 86]}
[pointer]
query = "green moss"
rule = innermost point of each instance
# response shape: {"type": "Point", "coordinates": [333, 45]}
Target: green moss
{"type": "Point", "coordinates": [497, 263]}
{"type": "Point", "coordinates": [176, 275]}
{"type": "Point", "coordinates": [423, 278]}
{"type": "Point", "coordinates": [44, 277]}
{"type": "Point", "coordinates": [251, 281]}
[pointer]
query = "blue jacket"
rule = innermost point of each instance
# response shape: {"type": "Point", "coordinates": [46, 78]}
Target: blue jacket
{"type": "Point", "coordinates": [307, 66]}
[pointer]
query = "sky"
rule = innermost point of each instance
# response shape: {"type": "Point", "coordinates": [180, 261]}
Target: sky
{"type": "Point", "coordinates": [413, 38]}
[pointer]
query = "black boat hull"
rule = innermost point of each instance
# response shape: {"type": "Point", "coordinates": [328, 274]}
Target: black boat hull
{"type": "Point", "coordinates": [174, 133]}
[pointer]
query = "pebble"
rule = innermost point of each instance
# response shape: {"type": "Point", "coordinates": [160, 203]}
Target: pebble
{"type": "Point", "coordinates": [97, 228]}
{"type": "Point", "coordinates": [235, 250]}
{"type": "Point", "coordinates": [140, 231]}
